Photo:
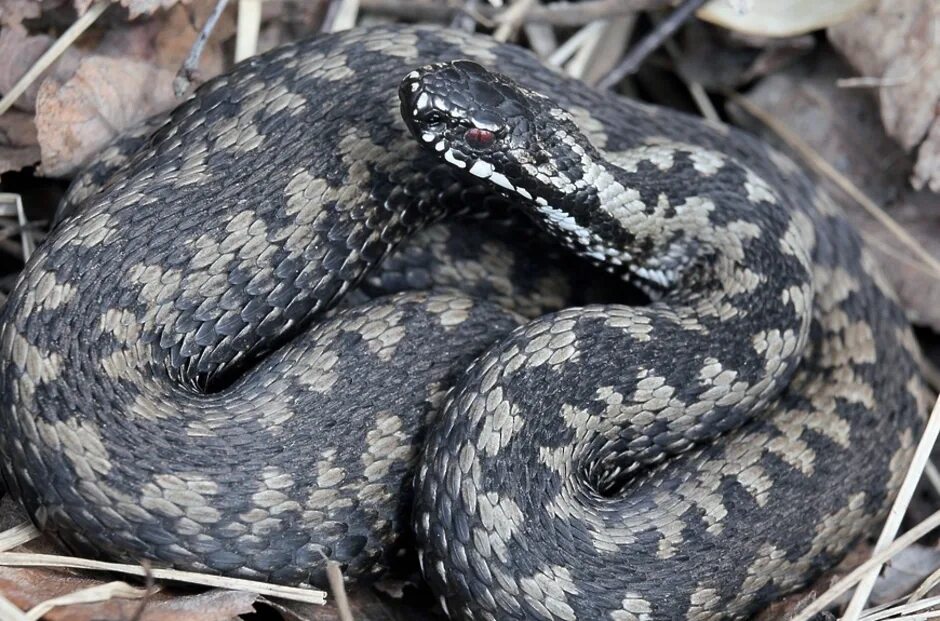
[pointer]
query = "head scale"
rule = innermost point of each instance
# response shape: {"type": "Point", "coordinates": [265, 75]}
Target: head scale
{"type": "Point", "coordinates": [486, 124]}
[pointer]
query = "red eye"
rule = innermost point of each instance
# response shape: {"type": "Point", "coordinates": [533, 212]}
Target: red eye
{"type": "Point", "coordinates": [479, 138]}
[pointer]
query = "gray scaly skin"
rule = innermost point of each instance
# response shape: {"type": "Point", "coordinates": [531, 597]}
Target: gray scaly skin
{"type": "Point", "coordinates": [178, 385]}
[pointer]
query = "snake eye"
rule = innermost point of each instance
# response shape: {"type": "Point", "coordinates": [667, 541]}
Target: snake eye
{"type": "Point", "coordinates": [479, 138]}
{"type": "Point", "coordinates": [434, 117]}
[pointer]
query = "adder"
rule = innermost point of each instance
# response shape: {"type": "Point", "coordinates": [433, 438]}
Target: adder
{"type": "Point", "coordinates": [185, 377]}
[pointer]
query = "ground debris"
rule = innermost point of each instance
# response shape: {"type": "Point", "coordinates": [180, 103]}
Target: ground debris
{"type": "Point", "coordinates": [896, 48]}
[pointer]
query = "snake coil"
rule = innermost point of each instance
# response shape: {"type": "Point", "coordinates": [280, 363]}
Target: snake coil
{"type": "Point", "coordinates": [184, 377]}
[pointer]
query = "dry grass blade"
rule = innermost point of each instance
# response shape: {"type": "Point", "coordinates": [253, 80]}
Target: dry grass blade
{"type": "Point", "coordinates": [100, 593]}
{"type": "Point", "coordinates": [17, 536]}
{"type": "Point", "coordinates": [925, 587]}
{"type": "Point", "coordinates": [567, 49]}
{"type": "Point", "coordinates": [55, 50]}
{"type": "Point", "coordinates": [826, 169]}
{"type": "Point", "coordinates": [298, 594]}
{"type": "Point", "coordinates": [568, 14]}
{"type": "Point", "coordinates": [342, 15]}
{"type": "Point", "coordinates": [248, 29]}
{"type": "Point", "coordinates": [15, 201]}
{"type": "Point", "coordinates": [933, 475]}
{"type": "Point", "coordinates": [899, 613]}
{"type": "Point", "coordinates": [877, 560]}
{"type": "Point", "coordinates": [510, 20]}
{"type": "Point", "coordinates": [335, 576]}
{"type": "Point", "coordinates": [648, 44]}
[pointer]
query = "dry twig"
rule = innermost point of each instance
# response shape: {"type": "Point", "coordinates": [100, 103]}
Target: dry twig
{"type": "Point", "coordinates": [663, 30]}
{"type": "Point", "coordinates": [335, 577]}
{"type": "Point", "coordinates": [189, 72]}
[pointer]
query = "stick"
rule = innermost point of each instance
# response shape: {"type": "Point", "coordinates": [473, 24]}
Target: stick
{"type": "Point", "coordinates": [190, 69]}
{"type": "Point", "coordinates": [55, 50]}
{"type": "Point", "coordinates": [663, 30]}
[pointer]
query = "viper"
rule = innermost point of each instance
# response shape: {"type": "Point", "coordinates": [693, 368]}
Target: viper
{"type": "Point", "coordinates": [210, 363]}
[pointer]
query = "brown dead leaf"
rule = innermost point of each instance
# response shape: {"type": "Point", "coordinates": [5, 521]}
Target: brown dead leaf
{"type": "Point", "coordinates": [916, 285]}
{"type": "Point", "coordinates": [18, 145]}
{"type": "Point", "coordinates": [19, 51]}
{"type": "Point", "coordinates": [77, 118]}
{"type": "Point", "coordinates": [843, 126]}
{"type": "Point", "coordinates": [27, 587]}
{"type": "Point", "coordinates": [898, 43]}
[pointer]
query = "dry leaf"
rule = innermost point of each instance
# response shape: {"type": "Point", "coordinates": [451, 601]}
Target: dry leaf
{"type": "Point", "coordinates": [27, 587]}
{"type": "Point", "coordinates": [898, 42]}
{"type": "Point", "coordinates": [916, 284]}
{"type": "Point", "coordinates": [19, 51]}
{"type": "Point", "coordinates": [780, 18]}
{"type": "Point", "coordinates": [843, 126]}
{"type": "Point", "coordinates": [76, 119]}
{"type": "Point", "coordinates": [18, 145]}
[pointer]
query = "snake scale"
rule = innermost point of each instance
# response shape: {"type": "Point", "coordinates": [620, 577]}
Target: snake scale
{"type": "Point", "coordinates": [185, 377]}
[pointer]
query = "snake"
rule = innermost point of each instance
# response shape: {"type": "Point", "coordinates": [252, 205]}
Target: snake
{"type": "Point", "coordinates": [337, 306]}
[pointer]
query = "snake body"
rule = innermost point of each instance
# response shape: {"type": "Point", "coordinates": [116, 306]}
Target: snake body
{"type": "Point", "coordinates": [184, 377]}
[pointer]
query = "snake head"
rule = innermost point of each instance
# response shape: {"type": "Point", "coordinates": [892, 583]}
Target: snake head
{"type": "Point", "coordinates": [485, 124]}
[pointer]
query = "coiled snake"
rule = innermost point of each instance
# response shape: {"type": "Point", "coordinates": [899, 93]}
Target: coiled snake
{"type": "Point", "coordinates": [180, 384]}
